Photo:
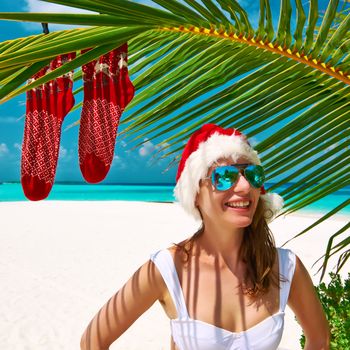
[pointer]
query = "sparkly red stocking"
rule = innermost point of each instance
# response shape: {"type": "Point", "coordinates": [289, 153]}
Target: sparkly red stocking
{"type": "Point", "coordinates": [107, 91]}
{"type": "Point", "coordinates": [46, 107]}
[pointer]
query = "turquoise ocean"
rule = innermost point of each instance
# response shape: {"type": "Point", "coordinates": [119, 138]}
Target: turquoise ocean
{"type": "Point", "coordinates": [144, 192]}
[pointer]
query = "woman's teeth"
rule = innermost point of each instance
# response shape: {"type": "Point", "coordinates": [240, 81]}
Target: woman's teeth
{"type": "Point", "coordinates": [244, 204]}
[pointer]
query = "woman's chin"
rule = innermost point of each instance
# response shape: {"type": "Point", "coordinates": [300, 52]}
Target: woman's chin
{"type": "Point", "coordinates": [240, 221]}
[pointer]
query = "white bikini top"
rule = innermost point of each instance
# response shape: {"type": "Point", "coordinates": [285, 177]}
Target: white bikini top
{"type": "Point", "coordinates": [190, 334]}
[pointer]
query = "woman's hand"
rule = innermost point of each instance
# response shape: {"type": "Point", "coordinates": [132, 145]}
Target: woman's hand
{"type": "Point", "coordinates": [308, 310]}
{"type": "Point", "coordinates": [124, 308]}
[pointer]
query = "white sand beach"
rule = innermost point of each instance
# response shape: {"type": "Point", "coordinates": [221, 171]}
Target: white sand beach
{"type": "Point", "coordinates": [61, 261]}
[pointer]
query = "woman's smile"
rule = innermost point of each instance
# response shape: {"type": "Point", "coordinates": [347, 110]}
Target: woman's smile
{"type": "Point", "coordinates": [238, 204]}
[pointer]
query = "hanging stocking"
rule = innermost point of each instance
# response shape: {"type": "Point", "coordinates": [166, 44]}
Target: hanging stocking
{"type": "Point", "coordinates": [46, 107]}
{"type": "Point", "coordinates": [107, 91]}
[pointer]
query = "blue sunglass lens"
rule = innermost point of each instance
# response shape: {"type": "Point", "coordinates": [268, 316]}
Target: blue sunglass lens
{"type": "Point", "coordinates": [224, 177]}
{"type": "Point", "coordinates": [255, 175]}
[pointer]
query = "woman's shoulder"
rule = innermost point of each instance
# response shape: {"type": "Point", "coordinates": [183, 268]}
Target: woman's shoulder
{"type": "Point", "coordinates": [286, 253]}
{"type": "Point", "coordinates": [287, 262]}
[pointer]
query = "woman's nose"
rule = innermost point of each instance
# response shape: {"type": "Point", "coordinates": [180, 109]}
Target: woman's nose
{"type": "Point", "coordinates": [242, 184]}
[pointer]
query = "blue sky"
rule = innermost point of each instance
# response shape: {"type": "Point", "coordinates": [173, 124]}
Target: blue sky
{"type": "Point", "coordinates": [126, 165]}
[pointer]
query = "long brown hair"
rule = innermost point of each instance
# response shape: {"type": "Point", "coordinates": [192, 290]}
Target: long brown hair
{"type": "Point", "coordinates": [258, 251]}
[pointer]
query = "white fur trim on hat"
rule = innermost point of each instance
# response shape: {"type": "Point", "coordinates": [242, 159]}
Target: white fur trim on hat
{"type": "Point", "coordinates": [215, 147]}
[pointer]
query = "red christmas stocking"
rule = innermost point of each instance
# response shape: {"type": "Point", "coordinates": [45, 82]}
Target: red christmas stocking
{"type": "Point", "coordinates": [107, 91]}
{"type": "Point", "coordinates": [46, 107]}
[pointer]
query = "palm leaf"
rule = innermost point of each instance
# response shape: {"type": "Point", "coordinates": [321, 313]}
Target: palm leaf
{"type": "Point", "coordinates": [198, 61]}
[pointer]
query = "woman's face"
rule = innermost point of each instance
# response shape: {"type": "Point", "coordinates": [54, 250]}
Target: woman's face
{"type": "Point", "coordinates": [225, 207]}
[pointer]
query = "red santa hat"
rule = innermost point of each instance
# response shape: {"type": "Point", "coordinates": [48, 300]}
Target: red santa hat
{"type": "Point", "coordinates": [203, 149]}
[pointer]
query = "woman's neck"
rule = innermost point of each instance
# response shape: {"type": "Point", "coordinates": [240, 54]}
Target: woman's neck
{"type": "Point", "coordinates": [222, 243]}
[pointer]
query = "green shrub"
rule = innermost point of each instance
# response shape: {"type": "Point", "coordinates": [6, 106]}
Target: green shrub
{"type": "Point", "coordinates": [335, 299]}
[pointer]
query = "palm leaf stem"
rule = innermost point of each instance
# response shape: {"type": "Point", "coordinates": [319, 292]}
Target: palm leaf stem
{"type": "Point", "coordinates": [276, 49]}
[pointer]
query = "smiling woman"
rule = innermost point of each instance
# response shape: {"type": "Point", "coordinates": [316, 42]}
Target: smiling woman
{"type": "Point", "coordinates": [227, 286]}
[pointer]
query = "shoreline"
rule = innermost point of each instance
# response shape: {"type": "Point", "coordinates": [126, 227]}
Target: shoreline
{"type": "Point", "coordinates": [154, 193]}
{"type": "Point", "coordinates": [62, 260]}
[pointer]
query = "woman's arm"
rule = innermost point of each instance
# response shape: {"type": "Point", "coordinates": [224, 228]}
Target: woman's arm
{"type": "Point", "coordinates": [308, 310]}
{"type": "Point", "coordinates": [120, 312]}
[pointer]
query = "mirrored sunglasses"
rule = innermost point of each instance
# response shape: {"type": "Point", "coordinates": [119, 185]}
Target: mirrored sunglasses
{"type": "Point", "coordinates": [225, 176]}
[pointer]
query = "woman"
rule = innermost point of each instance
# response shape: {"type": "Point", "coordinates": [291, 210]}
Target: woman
{"type": "Point", "coordinates": [227, 286]}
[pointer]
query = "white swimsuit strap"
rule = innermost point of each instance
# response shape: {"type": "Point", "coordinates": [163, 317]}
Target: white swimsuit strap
{"type": "Point", "coordinates": [165, 264]}
{"type": "Point", "coordinates": [286, 269]}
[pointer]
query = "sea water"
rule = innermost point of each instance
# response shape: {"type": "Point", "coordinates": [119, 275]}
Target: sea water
{"type": "Point", "coordinates": [144, 192]}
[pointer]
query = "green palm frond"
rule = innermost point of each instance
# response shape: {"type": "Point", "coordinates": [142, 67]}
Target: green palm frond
{"type": "Point", "coordinates": [198, 61]}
